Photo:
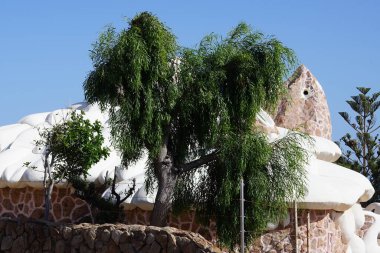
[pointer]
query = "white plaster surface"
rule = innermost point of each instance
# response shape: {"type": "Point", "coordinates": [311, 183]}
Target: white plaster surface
{"type": "Point", "coordinates": [348, 222]}
{"type": "Point", "coordinates": [373, 207]}
{"type": "Point", "coordinates": [17, 143]}
{"type": "Point", "coordinates": [329, 186]}
{"type": "Point", "coordinates": [370, 237]}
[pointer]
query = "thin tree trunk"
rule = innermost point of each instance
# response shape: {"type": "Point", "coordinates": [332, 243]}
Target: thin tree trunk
{"type": "Point", "coordinates": [48, 192]}
{"type": "Point", "coordinates": [48, 184]}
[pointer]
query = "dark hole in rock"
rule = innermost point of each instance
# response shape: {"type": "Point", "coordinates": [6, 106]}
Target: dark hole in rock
{"type": "Point", "coordinates": [306, 92]}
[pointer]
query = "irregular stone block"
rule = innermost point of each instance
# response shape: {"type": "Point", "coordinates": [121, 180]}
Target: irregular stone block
{"type": "Point", "coordinates": [18, 245]}
{"type": "Point", "coordinates": [106, 234]}
{"type": "Point", "coordinates": [115, 235]}
{"type": "Point", "coordinates": [60, 247]}
{"type": "Point", "coordinates": [89, 237]}
{"type": "Point", "coordinates": [126, 248]}
{"type": "Point", "coordinates": [76, 241]}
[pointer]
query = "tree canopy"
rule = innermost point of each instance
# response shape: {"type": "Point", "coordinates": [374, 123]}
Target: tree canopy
{"type": "Point", "coordinates": [75, 145]}
{"type": "Point", "coordinates": [71, 148]}
{"type": "Point", "coordinates": [194, 112]}
{"type": "Point", "coordinates": [363, 149]}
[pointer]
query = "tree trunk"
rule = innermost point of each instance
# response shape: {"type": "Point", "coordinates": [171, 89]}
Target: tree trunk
{"type": "Point", "coordinates": [167, 179]}
{"type": "Point", "coordinates": [48, 182]}
{"type": "Point", "coordinates": [48, 192]}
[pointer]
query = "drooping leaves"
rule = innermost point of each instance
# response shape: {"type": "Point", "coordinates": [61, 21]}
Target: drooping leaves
{"type": "Point", "coordinates": [133, 78]}
{"type": "Point", "coordinates": [190, 103]}
{"type": "Point", "coordinates": [272, 177]}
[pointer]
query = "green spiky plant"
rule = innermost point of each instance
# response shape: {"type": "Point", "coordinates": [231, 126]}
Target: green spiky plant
{"type": "Point", "coordinates": [193, 110]}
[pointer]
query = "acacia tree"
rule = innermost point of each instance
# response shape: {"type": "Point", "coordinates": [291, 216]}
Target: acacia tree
{"type": "Point", "coordinates": [193, 110]}
{"type": "Point", "coordinates": [70, 149]}
{"type": "Point", "coordinates": [363, 153]}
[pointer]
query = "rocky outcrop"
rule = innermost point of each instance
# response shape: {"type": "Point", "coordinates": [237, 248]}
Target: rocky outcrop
{"type": "Point", "coordinates": [36, 236]}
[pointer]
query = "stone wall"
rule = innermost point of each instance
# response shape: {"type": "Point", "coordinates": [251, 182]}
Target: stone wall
{"type": "Point", "coordinates": [16, 236]}
{"type": "Point", "coordinates": [29, 203]}
{"type": "Point", "coordinates": [186, 221]}
{"type": "Point", "coordinates": [324, 235]}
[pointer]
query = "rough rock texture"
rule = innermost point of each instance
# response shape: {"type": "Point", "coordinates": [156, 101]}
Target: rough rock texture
{"type": "Point", "coordinates": [306, 107]}
{"type": "Point", "coordinates": [44, 237]}
{"type": "Point", "coordinates": [186, 221]}
{"type": "Point", "coordinates": [29, 203]}
{"type": "Point", "coordinates": [324, 235]}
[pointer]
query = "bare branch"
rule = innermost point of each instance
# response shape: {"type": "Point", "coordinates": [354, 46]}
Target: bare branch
{"type": "Point", "coordinates": [114, 190]}
{"type": "Point", "coordinates": [378, 127]}
{"type": "Point", "coordinates": [203, 160]}
{"type": "Point", "coordinates": [130, 191]}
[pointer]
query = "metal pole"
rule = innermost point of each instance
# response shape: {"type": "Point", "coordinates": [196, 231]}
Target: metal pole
{"type": "Point", "coordinates": [308, 231]}
{"type": "Point", "coordinates": [296, 224]}
{"type": "Point", "coordinates": [242, 215]}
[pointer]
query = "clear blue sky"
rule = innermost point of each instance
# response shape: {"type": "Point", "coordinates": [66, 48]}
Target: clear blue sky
{"type": "Point", "coordinates": [44, 45]}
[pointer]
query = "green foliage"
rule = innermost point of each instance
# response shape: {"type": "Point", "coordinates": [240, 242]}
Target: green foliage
{"type": "Point", "coordinates": [133, 79]}
{"type": "Point", "coordinates": [75, 145]}
{"type": "Point", "coordinates": [70, 148]}
{"type": "Point", "coordinates": [272, 176]}
{"type": "Point", "coordinates": [363, 150]}
{"type": "Point", "coordinates": [194, 110]}
{"type": "Point", "coordinates": [223, 84]}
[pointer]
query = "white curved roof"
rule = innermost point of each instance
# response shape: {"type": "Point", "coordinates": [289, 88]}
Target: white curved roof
{"type": "Point", "coordinates": [329, 186]}
{"type": "Point", "coordinates": [17, 146]}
